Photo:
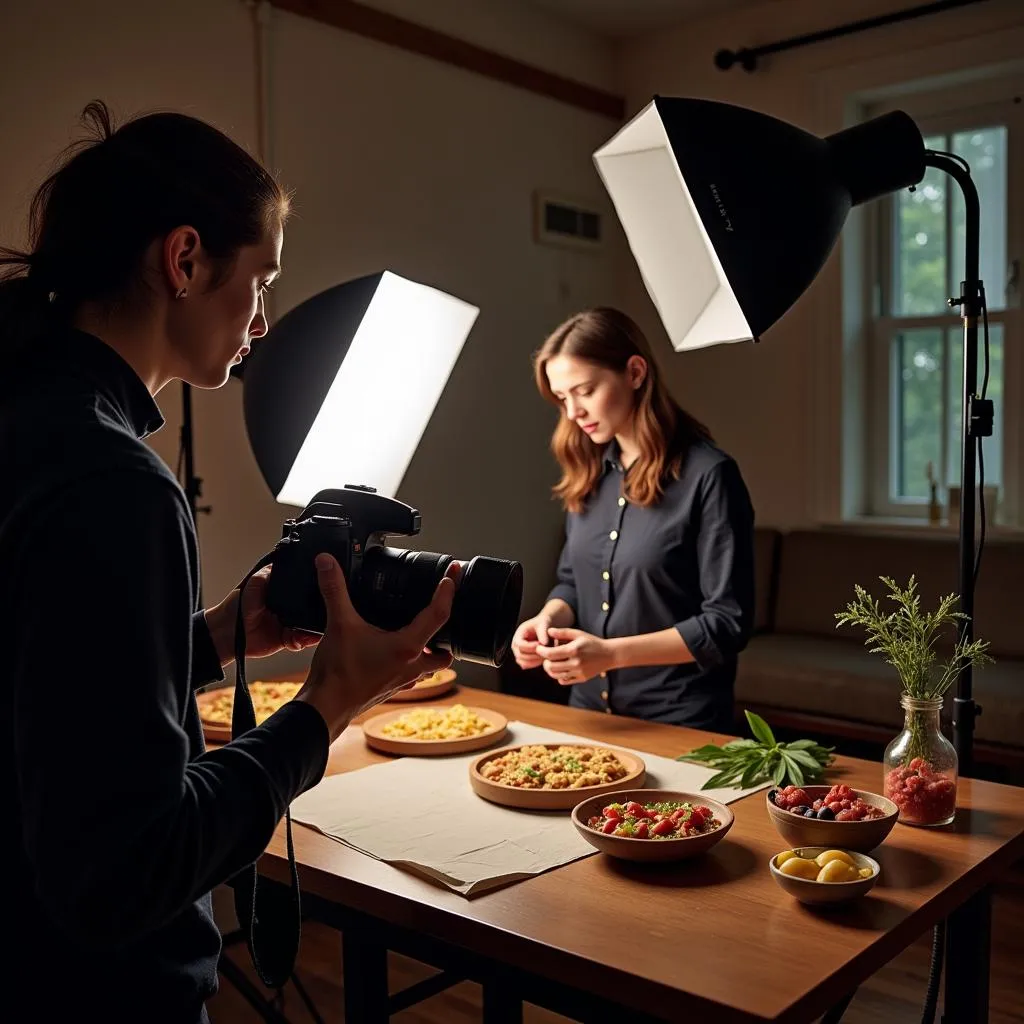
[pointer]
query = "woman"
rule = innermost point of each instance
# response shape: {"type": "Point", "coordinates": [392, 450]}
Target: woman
{"type": "Point", "coordinates": [152, 247]}
{"type": "Point", "coordinates": [655, 591]}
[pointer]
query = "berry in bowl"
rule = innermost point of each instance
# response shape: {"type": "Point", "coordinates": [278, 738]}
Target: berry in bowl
{"type": "Point", "coordinates": [831, 816]}
{"type": "Point", "coordinates": [652, 824]}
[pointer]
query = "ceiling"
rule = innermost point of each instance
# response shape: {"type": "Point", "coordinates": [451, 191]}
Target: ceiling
{"type": "Point", "coordinates": [621, 19]}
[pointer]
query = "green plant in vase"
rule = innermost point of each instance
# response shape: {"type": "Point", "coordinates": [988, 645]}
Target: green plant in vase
{"type": "Point", "coordinates": [920, 764]}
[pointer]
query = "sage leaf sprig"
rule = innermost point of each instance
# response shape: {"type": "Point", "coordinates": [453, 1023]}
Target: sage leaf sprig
{"type": "Point", "coordinates": [748, 762]}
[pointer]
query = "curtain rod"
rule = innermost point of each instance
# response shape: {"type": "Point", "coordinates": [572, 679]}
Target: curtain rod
{"type": "Point", "coordinates": [747, 57]}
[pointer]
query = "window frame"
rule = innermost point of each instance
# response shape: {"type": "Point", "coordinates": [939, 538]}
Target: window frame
{"type": "Point", "coordinates": [991, 102]}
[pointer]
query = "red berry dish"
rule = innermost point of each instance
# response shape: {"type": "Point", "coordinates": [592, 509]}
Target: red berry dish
{"type": "Point", "coordinates": [840, 803]}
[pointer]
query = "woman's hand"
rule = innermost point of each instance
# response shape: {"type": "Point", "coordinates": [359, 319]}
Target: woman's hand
{"type": "Point", "coordinates": [578, 657]}
{"type": "Point", "coordinates": [264, 635]}
{"type": "Point", "coordinates": [529, 634]}
{"type": "Point", "coordinates": [358, 665]}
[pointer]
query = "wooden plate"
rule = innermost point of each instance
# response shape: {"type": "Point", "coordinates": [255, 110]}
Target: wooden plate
{"type": "Point", "coordinates": [218, 732]}
{"type": "Point", "coordinates": [427, 689]}
{"type": "Point", "coordinates": [553, 799]}
{"type": "Point", "coordinates": [373, 730]}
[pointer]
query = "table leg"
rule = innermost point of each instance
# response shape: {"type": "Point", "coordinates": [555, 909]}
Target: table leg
{"type": "Point", "coordinates": [968, 960]}
{"type": "Point", "coordinates": [501, 1006]}
{"type": "Point", "coordinates": [365, 978]}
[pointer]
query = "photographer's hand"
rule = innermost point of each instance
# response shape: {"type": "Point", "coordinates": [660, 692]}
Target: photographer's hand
{"type": "Point", "coordinates": [358, 665]}
{"type": "Point", "coordinates": [264, 635]}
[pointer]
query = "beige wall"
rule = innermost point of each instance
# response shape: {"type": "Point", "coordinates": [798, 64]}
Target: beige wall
{"type": "Point", "coordinates": [397, 162]}
{"type": "Point", "coordinates": [778, 407]}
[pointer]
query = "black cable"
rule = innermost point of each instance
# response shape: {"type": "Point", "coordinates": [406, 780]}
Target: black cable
{"type": "Point", "coordinates": [931, 998]}
{"type": "Point", "coordinates": [272, 933]}
{"type": "Point", "coordinates": [952, 156]}
{"type": "Point", "coordinates": [981, 452]}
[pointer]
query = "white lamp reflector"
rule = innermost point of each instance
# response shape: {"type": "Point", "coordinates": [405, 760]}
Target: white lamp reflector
{"type": "Point", "coordinates": [676, 258]}
{"type": "Point", "coordinates": [384, 393]}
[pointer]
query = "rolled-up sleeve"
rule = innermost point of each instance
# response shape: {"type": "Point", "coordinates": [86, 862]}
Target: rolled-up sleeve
{"type": "Point", "coordinates": [565, 586]}
{"type": "Point", "coordinates": [725, 564]}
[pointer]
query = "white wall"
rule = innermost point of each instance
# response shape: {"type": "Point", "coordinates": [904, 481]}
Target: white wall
{"type": "Point", "coordinates": [397, 162]}
{"type": "Point", "coordinates": [778, 407]}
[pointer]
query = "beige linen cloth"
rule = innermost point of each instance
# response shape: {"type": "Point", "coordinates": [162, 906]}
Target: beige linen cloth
{"type": "Point", "coordinates": [420, 814]}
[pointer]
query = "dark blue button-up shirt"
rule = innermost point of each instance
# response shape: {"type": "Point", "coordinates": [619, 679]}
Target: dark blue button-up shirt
{"type": "Point", "coordinates": [688, 563]}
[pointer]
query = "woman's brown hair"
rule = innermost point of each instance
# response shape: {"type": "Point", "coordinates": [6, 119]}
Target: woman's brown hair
{"type": "Point", "coordinates": [112, 194]}
{"type": "Point", "coordinates": [664, 431]}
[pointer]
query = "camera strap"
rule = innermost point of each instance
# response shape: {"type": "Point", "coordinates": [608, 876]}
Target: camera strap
{"type": "Point", "coordinates": [270, 917]}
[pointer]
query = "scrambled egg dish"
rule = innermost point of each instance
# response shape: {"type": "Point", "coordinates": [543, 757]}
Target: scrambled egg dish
{"type": "Point", "coordinates": [451, 723]}
{"type": "Point", "coordinates": [536, 766]}
{"type": "Point", "coordinates": [266, 699]}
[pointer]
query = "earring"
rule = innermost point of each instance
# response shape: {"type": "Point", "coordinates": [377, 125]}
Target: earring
{"type": "Point", "coordinates": [182, 292]}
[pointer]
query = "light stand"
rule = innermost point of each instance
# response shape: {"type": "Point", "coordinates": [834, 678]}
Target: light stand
{"type": "Point", "coordinates": [976, 423]}
{"type": "Point", "coordinates": [967, 937]}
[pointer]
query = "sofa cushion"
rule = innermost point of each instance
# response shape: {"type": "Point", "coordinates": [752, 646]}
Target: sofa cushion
{"type": "Point", "coordinates": [840, 679]}
{"type": "Point", "coordinates": [818, 570]}
{"type": "Point", "coordinates": [766, 546]}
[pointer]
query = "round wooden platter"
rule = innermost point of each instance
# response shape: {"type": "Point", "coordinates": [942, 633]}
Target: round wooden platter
{"type": "Point", "coordinates": [218, 732]}
{"type": "Point", "coordinates": [373, 731]}
{"type": "Point", "coordinates": [427, 689]}
{"type": "Point", "coordinates": [553, 799]}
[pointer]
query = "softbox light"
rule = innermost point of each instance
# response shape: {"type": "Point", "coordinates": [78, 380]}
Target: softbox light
{"type": "Point", "coordinates": [343, 386]}
{"type": "Point", "coordinates": [731, 213]}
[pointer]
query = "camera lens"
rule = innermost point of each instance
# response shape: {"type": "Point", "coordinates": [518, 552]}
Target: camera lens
{"type": "Point", "coordinates": [395, 585]}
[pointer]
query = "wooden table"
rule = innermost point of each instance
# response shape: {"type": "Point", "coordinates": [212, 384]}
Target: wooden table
{"type": "Point", "coordinates": [714, 939]}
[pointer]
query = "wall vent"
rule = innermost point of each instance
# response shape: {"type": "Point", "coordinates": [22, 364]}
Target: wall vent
{"type": "Point", "coordinates": [562, 221]}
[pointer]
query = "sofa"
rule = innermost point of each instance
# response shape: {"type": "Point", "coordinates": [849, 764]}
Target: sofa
{"type": "Point", "coordinates": [805, 675]}
{"type": "Point", "coordinates": [801, 671]}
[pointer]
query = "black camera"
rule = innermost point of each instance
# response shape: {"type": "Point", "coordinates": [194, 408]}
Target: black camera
{"type": "Point", "coordinates": [390, 586]}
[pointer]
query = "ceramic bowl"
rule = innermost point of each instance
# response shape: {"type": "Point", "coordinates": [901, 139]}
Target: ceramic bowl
{"type": "Point", "coordinates": [650, 850]}
{"type": "Point", "coordinates": [862, 836]}
{"type": "Point", "coordinates": [820, 893]}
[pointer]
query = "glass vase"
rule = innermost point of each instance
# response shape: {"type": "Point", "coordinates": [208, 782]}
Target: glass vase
{"type": "Point", "coordinates": [920, 766]}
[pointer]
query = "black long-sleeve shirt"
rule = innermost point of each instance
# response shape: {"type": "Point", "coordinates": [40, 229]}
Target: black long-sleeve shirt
{"type": "Point", "coordinates": [686, 562]}
{"type": "Point", "coordinates": [120, 823]}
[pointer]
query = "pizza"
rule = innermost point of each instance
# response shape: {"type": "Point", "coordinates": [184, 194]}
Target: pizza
{"type": "Point", "coordinates": [267, 697]}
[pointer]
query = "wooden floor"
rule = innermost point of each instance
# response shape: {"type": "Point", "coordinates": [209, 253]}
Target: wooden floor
{"type": "Point", "coordinates": [894, 995]}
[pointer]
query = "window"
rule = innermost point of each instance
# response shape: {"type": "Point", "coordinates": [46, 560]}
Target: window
{"type": "Point", "coordinates": [916, 353]}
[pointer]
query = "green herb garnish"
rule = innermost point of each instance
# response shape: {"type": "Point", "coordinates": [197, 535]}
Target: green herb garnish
{"type": "Point", "coordinates": [750, 762]}
{"type": "Point", "coordinates": [529, 771]}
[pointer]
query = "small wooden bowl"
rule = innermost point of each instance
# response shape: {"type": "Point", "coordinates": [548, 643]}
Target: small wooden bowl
{"type": "Point", "coordinates": [553, 799]}
{"type": "Point", "coordinates": [650, 851]}
{"type": "Point", "coordinates": [427, 689]}
{"type": "Point", "coordinates": [859, 836]}
{"type": "Point", "coordinates": [817, 893]}
{"type": "Point", "coordinates": [373, 733]}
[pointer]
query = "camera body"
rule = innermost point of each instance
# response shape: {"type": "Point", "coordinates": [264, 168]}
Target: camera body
{"type": "Point", "coordinates": [390, 586]}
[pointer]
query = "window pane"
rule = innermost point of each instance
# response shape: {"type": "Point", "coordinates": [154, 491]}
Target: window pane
{"type": "Point", "coordinates": [992, 447]}
{"type": "Point", "coordinates": [920, 274]}
{"type": "Point", "coordinates": [917, 410]}
{"type": "Point", "coordinates": [985, 150]}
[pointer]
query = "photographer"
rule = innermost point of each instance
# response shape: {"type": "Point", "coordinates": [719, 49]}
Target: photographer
{"type": "Point", "coordinates": [151, 248]}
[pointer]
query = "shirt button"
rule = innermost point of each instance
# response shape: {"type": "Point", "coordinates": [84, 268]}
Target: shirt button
{"type": "Point", "coordinates": [607, 711]}
{"type": "Point", "coordinates": [614, 534]}
{"type": "Point", "coordinates": [604, 675]}
{"type": "Point", "coordinates": [606, 575]}
{"type": "Point", "coordinates": [604, 695]}
{"type": "Point", "coordinates": [622, 501]}
{"type": "Point", "coordinates": [605, 606]}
